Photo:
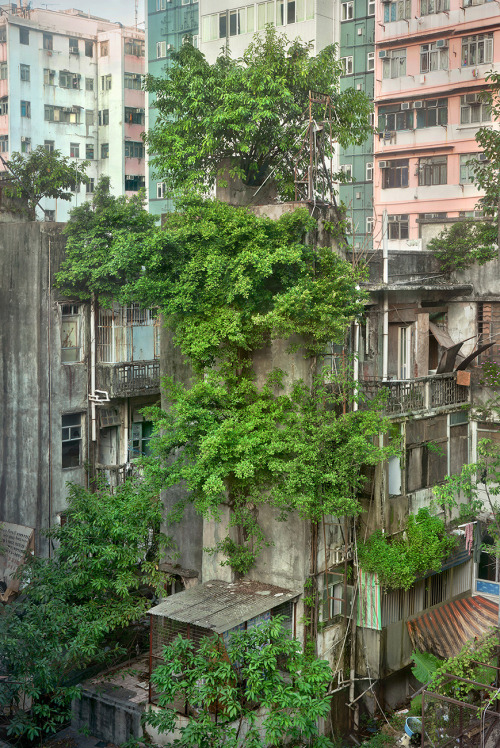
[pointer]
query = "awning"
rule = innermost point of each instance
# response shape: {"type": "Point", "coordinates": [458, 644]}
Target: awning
{"type": "Point", "coordinates": [221, 606]}
{"type": "Point", "coordinates": [445, 629]}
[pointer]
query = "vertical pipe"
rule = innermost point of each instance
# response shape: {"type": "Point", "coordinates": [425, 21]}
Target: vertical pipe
{"type": "Point", "coordinates": [150, 653]}
{"type": "Point", "coordinates": [385, 280]}
{"type": "Point", "coordinates": [93, 311]}
{"type": "Point", "coordinates": [356, 365]}
{"type": "Point", "coordinates": [49, 386]}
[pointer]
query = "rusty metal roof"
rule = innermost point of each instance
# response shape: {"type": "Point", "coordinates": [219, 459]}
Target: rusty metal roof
{"type": "Point", "coordinates": [444, 629]}
{"type": "Point", "coordinates": [220, 606]}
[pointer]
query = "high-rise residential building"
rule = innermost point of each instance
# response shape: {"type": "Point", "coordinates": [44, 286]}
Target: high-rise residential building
{"type": "Point", "coordinates": [432, 57]}
{"type": "Point", "coordinates": [168, 24]}
{"type": "Point", "coordinates": [357, 40]}
{"type": "Point", "coordinates": [73, 82]}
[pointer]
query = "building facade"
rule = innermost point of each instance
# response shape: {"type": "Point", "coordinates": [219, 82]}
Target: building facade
{"type": "Point", "coordinates": [73, 82]}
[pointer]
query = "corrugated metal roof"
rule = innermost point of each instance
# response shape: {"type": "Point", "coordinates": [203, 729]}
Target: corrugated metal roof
{"type": "Point", "coordinates": [444, 629]}
{"type": "Point", "coordinates": [220, 606]}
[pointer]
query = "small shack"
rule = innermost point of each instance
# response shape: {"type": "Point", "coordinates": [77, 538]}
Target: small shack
{"type": "Point", "coordinates": [216, 607]}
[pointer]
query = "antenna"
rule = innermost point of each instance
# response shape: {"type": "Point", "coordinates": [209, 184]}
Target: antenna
{"type": "Point", "coordinates": [136, 13]}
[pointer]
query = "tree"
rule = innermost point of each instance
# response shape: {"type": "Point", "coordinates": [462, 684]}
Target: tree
{"type": "Point", "coordinates": [75, 605]}
{"type": "Point", "coordinates": [261, 667]}
{"type": "Point", "coordinates": [251, 112]}
{"type": "Point", "coordinates": [42, 174]}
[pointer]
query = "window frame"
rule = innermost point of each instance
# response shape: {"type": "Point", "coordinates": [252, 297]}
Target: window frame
{"type": "Point", "coordinates": [396, 175]}
{"type": "Point", "coordinates": [393, 62]}
{"type": "Point", "coordinates": [25, 109]}
{"type": "Point", "coordinates": [471, 46]}
{"type": "Point", "coordinates": [347, 11]}
{"type": "Point", "coordinates": [347, 65]}
{"type": "Point", "coordinates": [48, 42]}
{"type": "Point", "coordinates": [429, 53]}
{"type": "Point", "coordinates": [424, 113]}
{"type": "Point", "coordinates": [71, 314]}
{"type": "Point", "coordinates": [24, 36]}
{"type": "Point", "coordinates": [432, 171]}
{"type": "Point", "coordinates": [398, 224]}
{"type": "Point", "coordinates": [71, 435]}
{"type": "Point", "coordinates": [25, 70]}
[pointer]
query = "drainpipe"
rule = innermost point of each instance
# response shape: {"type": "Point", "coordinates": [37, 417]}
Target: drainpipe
{"type": "Point", "coordinates": [356, 365]}
{"type": "Point", "coordinates": [385, 280]}
{"type": "Point", "coordinates": [93, 310]}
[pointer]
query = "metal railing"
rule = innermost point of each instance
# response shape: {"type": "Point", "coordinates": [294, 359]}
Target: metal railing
{"type": "Point", "coordinates": [124, 379]}
{"type": "Point", "coordinates": [400, 396]}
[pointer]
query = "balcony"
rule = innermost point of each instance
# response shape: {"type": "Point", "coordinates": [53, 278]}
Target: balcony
{"type": "Point", "coordinates": [404, 396]}
{"type": "Point", "coordinates": [129, 379]}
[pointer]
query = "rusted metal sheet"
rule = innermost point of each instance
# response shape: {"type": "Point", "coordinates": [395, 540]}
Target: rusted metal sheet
{"type": "Point", "coordinates": [444, 629]}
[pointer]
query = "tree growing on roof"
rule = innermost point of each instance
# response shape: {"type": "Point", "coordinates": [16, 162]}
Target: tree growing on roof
{"type": "Point", "coordinates": [251, 113]}
{"type": "Point", "coordinates": [42, 174]}
{"type": "Point", "coordinates": [262, 669]}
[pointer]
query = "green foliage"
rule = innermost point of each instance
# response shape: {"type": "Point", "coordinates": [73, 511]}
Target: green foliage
{"type": "Point", "coordinates": [95, 233]}
{"type": "Point", "coordinates": [399, 561]}
{"type": "Point", "coordinates": [467, 664]}
{"type": "Point", "coordinates": [263, 668]}
{"type": "Point", "coordinates": [42, 174]}
{"type": "Point", "coordinates": [250, 113]}
{"type": "Point", "coordinates": [490, 372]}
{"type": "Point", "coordinates": [425, 665]}
{"type": "Point", "coordinates": [75, 604]}
{"type": "Point", "coordinates": [465, 243]}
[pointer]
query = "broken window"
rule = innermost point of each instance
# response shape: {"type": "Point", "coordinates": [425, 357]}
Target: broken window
{"type": "Point", "coordinates": [426, 452]}
{"type": "Point", "coordinates": [70, 334]}
{"type": "Point", "coordinates": [127, 334]}
{"type": "Point", "coordinates": [141, 435]}
{"type": "Point", "coordinates": [71, 440]}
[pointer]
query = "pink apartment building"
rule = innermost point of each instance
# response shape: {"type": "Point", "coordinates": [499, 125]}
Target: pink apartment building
{"type": "Point", "coordinates": [432, 57]}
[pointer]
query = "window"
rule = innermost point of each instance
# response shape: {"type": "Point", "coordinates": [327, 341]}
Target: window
{"type": "Point", "coordinates": [347, 65]}
{"type": "Point", "coordinates": [141, 435]}
{"type": "Point", "coordinates": [127, 333]}
{"type": "Point", "coordinates": [25, 145]}
{"type": "Point", "coordinates": [105, 82]}
{"type": "Point", "coordinates": [49, 145]}
{"type": "Point", "coordinates": [104, 117]}
{"type": "Point", "coordinates": [89, 117]}
{"type": "Point", "coordinates": [433, 6]}
{"type": "Point", "coordinates": [134, 47]}
{"type": "Point", "coordinates": [371, 7]}
{"type": "Point", "coordinates": [432, 170]}
{"type": "Point", "coordinates": [397, 226]}
{"type": "Point", "coordinates": [347, 11]}
{"type": "Point", "coordinates": [432, 112]}
{"type": "Point", "coordinates": [134, 182]}
{"type": "Point", "coordinates": [394, 173]}
{"type": "Point", "coordinates": [62, 114]}
{"type": "Point", "coordinates": [370, 61]}
{"type": "Point", "coordinates": [103, 49]}
{"type": "Point", "coordinates": [161, 50]}
{"type": "Point", "coordinates": [70, 333]}
{"type": "Point", "coordinates": [105, 150]}
{"type": "Point", "coordinates": [134, 149]}
{"type": "Point", "coordinates": [369, 171]}
{"type": "Point", "coordinates": [265, 14]}
{"type": "Point", "coordinates": [209, 28]}
{"type": "Point", "coordinates": [73, 46]}
{"type": "Point", "coordinates": [89, 84]}
{"type": "Point", "coordinates": [347, 170]}
{"type": "Point", "coordinates": [393, 63]}
{"type": "Point", "coordinates": [49, 215]}
{"type": "Point", "coordinates": [404, 337]}
{"type": "Point", "coordinates": [433, 57]}
{"type": "Point", "coordinates": [473, 110]}
{"type": "Point", "coordinates": [89, 49]}
{"type": "Point", "coordinates": [477, 49]}
{"type": "Point", "coordinates": [133, 80]}
{"type": "Point", "coordinates": [160, 190]}
{"type": "Point", "coordinates": [134, 116]}
{"type": "Point", "coordinates": [24, 36]}
{"type": "Point", "coordinates": [69, 80]}
{"type": "Point", "coordinates": [468, 163]}
{"type": "Point", "coordinates": [49, 77]}
{"type": "Point", "coordinates": [4, 143]}
{"type": "Point", "coordinates": [397, 10]}
{"type": "Point", "coordinates": [90, 186]}
{"type": "Point", "coordinates": [24, 71]}
{"type": "Point", "coordinates": [25, 109]}
{"type": "Point", "coordinates": [299, 10]}
{"type": "Point", "coordinates": [369, 224]}
{"type": "Point", "coordinates": [3, 34]}
{"type": "Point", "coordinates": [74, 150]}
{"type": "Point", "coordinates": [71, 440]}
{"type": "Point", "coordinates": [4, 105]}
{"type": "Point", "coordinates": [393, 118]}
{"type": "Point", "coordinates": [161, 4]}
{"type": "Point", "coordinates": [3, 71]}
{"type": "Point", "coordinates": [241, 21]}
{"type": "Point", "coordinates": [48, 42]}
{"type": "Point", "coordinates": [89, 151]}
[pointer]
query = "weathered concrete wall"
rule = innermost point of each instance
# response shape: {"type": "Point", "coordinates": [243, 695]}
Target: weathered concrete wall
{"type": "Point", "coordinates": [108, 715]}
{"type": "Point", "coordinates": [36, 388]}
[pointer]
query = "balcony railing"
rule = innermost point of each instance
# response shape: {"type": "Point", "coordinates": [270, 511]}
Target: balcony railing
{"type": "Point", "coordinates": [116, 475]}
{"type": "Point", "coordinates": [401, 396]}
{"type": "Point", "coordinates": [128, 379]}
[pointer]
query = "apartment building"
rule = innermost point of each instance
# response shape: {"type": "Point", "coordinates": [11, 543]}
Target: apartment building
{"type": "Point", "coordinates": [168, 24]}
{"type": "Point", "coordinates": [73, 82]}
{"type": "Point", "coordinates": [432, 57]}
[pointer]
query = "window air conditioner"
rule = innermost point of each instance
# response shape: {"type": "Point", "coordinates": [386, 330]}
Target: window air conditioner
{"type": "Point", "coordinates": [418, 104]}
{"type": "Point", "coordinates": [382, 164]}
{"type": "Point", "coordinates": [405, 106]}
{"type": "Point", "coordinates": [382, 53]}
{"type": "Point", "coordinates": [483, 157]}
{"type": "Point", "coordinates": [471, 98]}
{"type": "Point", "coordinates": [441, 44]}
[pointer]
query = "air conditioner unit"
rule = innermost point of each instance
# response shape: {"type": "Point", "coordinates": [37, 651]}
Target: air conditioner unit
{"type": "Point", "coordinates": [418, 104]}
{"type": "Point", "coordinates": [467, 3]}
{"type": "Point", "coordinates": [170, 46]}
{"type": "Point", "coordinates": [441, 44]}
{"type": "Point", "coordinates": [358, 195]}
{"type": "Point", "coordinates": [405, 106]}
{"type": "Point", "coordinates": [483, 157]}
{"type": "Point", "coordinates": [471, 98]}
{"type": "Point", "coordinates": [382, 164]}
{"type": "Point", "coordinates": [382, 53]}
